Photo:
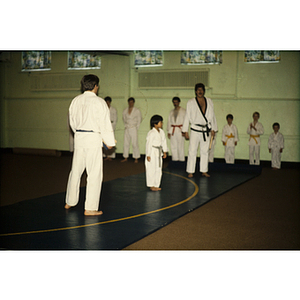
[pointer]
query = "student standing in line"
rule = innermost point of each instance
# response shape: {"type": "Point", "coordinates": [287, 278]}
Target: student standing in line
{"type": "Point", "coordinates": [200, 114]}
{"type": "Point", "coordinates": [255, 129]}
{"type": "Point", "coordinates": [90, 121]}
{"type": "Point", "coordinates": [276, 145]}
{"type": "Point", "coordinates": [132, 119]}
{"type": "Point", "coordinates": [230, 138]}
{"type": "Point", "coordinates": [111, 153]}
{"type": "Point", "coordinates": [174, 125]}
{"type": "Point", "coordinates": [156, 149]}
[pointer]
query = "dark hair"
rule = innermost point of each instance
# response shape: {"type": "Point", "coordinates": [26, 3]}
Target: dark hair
{"type": "Point", "coordinates": [256, 113]}
{"type": "Point", "coordinates": [276, 124]}
{"type": "Point", "coordinates": [155, 120]}
{"type": "Point", "coordinates": [199, 85]}
{"type": "Point", "coordinates": [88, 82]}
{"type": "Point", "coordinates": [229, 116]}
{"type": "Point", "coordinates": [108, 99]}
{"type": "Point", "coordinates": [131, 99]}
{"type": "Point", "coordinates": [176, 98]}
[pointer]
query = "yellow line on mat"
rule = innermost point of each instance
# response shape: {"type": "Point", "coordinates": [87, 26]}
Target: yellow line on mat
{"type": "Point", "coordinates": [115, 220]}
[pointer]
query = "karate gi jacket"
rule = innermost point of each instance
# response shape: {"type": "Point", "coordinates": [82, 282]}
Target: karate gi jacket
{"type": "Point", "coordinates": [230, 135]}
{"type": "Point", "coordinates": [133, 119]}
{"type": "Point", "coordinates": [255, 139]}
{"type": "Point", "coordinates": [276, 141]}
{"type": "Point", "coordinates": [179, 120]}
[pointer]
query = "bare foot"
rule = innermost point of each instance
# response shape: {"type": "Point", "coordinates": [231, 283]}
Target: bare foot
{"type": "Point", "coordinates": [191, 175]}
{"type": "Point", "coordinates": [136, 161]}
{"type": "Point", "coordinates": [67, 206]}
{"type": "Point", "coordinates": [155, 189]}
{"type": "Point", "coordinates": [125, 159]}
{"type": "Point", "coordinates": [205, 174]}
{"type": "Point", "coordinates": [93, 212]}
{"type": "Point", "coordinates": [108, 158]}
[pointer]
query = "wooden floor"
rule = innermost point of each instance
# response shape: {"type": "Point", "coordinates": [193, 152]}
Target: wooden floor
{"type": "Point", "coordinates": [262, 214]}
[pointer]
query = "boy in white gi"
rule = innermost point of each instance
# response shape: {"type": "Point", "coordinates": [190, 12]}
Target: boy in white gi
{"type": "Point", "coordinates": [230, 138]}
{"type": "Point", "coordinates": [174, 125]}
{"type": "Point", "coordinates": [156, 148]}
{"type": "Point", "coordinates": [276, 145]}
{"type": "Point", "coordinates": [111, 153]}
{"type": "Point", "coordinates": [132, 119]}
{"type": "Point", "coordinates": [90, 121]}
{"type": "Point", "coordinates": [200, 114]}
{"type": "Point", "coordinates": [255, 129]}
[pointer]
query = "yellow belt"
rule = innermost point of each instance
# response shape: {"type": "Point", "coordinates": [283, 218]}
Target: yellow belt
{"type": "Point", "coordinates": [229, 137]}
{"type": "Point", "coordinates": [254, 137]}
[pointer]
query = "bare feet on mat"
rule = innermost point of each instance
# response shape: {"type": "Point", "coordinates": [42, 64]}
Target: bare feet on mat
{"type": "Point", "coordinates": [136, 161]}
{"type": "Point", "coordinates": [67, 206]}
{"type": "Point", "coordinates": [93, 213]}
{"type": "Point", "coordinates": [155, 189]}
{"type": "Point", "coordinates": [125, 159]}
{"type": "Point", "coordinates": [205, 174]}
{"type": "Point", "coordinates": [190, 175]}
{"type": "Point", "coordinates": [108, 158]}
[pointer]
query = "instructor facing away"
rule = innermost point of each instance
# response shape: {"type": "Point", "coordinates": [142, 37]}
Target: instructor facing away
{"type": "Point", "coordinates": [90, 121]}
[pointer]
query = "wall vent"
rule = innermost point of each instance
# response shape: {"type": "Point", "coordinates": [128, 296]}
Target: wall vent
{"type": "Point", "coordinates": [172, 79]}
{"type": "Point", "coordinates": [55, 82]}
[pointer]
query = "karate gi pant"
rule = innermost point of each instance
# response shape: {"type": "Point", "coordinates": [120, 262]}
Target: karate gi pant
{"type": "Point", "coordinates": [276, 158]}
{"type": "Point", "coordinates": [177, 146]}
{"type": "Point", "coordinates": [131, 135]}
{"type": "Point", "coordinates": [196, 138]}
{"type": "Point", "coordinates": [229, 154]}
{"type": "Point", "coordinates": [254, 149]}
{"type": "Point", "coordinates": [87, 156]}
{"type": "Point", "coordinates": [153, 171]}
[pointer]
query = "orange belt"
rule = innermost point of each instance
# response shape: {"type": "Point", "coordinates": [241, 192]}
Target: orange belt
{"type": "Point", "coordinates": [229, 137]}
{"type": "Point", "coordinates": [174, 128]}
{"type": "Point", "coordinates": [254, 137]}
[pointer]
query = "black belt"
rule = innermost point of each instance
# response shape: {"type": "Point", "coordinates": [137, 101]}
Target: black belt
{"type": "Point", "coordinates": [203, 131]}
{"type": "Point", "coordinates": [81, 130]}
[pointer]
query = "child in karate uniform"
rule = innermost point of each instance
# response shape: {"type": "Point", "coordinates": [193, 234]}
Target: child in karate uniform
{"type": "Point", "coordinates": [230, 138]}
{"type": "Point", "coordinates": [156, 148]}
{"type": "Point", "coordinates": [276, 145]}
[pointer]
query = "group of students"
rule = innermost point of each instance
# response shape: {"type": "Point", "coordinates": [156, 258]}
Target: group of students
{"type": "Point", "coordinates": [93, 121]}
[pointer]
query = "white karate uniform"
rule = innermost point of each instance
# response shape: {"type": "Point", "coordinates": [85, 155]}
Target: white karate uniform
{"type": "Point", "coordinates": [114, 119]}
{"type": "Point", "coordinates": [88, 112]}
{"type": "Point", "coordinates": [275, 143]}
{"type": "Point", "coordinates": [132, 123]}
{"type": "Point", "coordinates": [156, 144]}
{"type": "Point", "coordinates": [195, 117]}
{"type": "Point", "coordinates": [230, 136]}
{"type": "Point", "coordinates": [254, 143]}
{"type": "Point", "coordinates": [174, 125]}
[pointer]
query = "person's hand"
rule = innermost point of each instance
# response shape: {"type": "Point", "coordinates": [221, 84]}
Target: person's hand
{"type": "Point", "coordinates": [148, 158]}
{"type": "Point", "coordinates": [169, 135]}
{"type": "Point", "coordinates": [213, 133]}
{"type": "Point", "coordinates": [165, 155]}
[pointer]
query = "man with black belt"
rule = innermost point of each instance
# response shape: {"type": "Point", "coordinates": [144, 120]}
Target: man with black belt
{"type": "Point", "coordinates": [201, 116]}
{"type": "Point", "coordinates": [89, 119]}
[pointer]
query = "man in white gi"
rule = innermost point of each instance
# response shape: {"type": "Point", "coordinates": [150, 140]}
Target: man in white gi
{"type": "Point", "coordinates": [230, 138]}
{"type": "Point", "coordinates": [276, 145]}
{"type": "Point", "coordinates": [201, 116]}
{"type": "Point", "coordinates": [174, 126]}
{"type": "Point", "coordinates": [255, 129]}
{"type": "Point", "coordinates": [111, 153]}
{"type": "Point", "coordinates": [90, 121]}
{"type": "Point", "coordinates": [132, 119]}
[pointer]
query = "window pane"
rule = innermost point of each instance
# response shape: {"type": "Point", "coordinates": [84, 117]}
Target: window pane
{"type": "Point", "coordinates": [36, 60]}
{"type": "Point", "coordinates": [259, 56]}
{"type": "Point", "coordinates": [82, 60]}
{"type": "Point", "coordinates": [201, 57]}
{"type": "Point", "coordinates": [148, 58]}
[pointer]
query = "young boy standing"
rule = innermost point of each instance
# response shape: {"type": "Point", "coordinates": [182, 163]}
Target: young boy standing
{"type": "Point", "coordinates": [255, 130]}
{"type": "Point", "coordinates": [276, 145]}
{"type": "Point", "coordinates": [156, 148]}
{"type": "Point", "coordinates": [229, 138]}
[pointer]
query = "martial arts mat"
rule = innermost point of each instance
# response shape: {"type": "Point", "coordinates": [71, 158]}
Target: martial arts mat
{"type": "Point", "coordinates": [130, 210]}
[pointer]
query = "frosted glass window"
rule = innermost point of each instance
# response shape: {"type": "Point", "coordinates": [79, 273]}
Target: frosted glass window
{"type": "Point", "coordinates": [201, 57]}
{"type": "Point", "coordinates": [83, 60]}
{"type": "Point", "coordinates": [36, 60]}
{"type": "Point", "coordinates": [148, 58]}
{"type": "Point", "coordinates": [259, 56]}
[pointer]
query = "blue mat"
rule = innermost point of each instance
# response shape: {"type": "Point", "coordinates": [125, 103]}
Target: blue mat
{"type": "Point", "coordinates": [131, 210]}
